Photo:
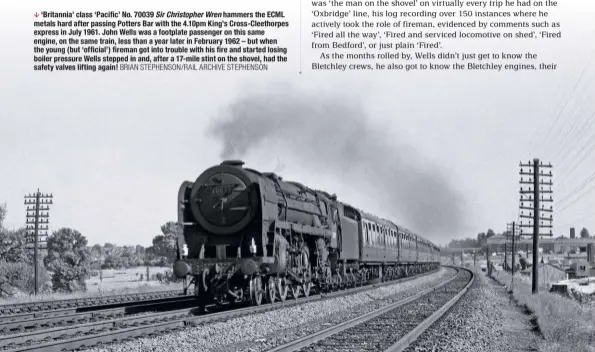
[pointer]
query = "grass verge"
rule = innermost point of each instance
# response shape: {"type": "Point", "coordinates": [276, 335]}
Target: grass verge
{"type": "Point", "coordinates": [565, 325]}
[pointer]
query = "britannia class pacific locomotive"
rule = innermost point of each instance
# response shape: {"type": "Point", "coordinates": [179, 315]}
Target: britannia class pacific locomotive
{"type": "Point", "coordinates": [249, 235]}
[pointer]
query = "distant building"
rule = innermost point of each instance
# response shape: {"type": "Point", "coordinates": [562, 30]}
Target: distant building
{"type": "Point", "coordinates": [547, 274]}
{"type": "Point", "coordinates": [572, 233]}
{"type": "Point", "coordinates": [547, 244]}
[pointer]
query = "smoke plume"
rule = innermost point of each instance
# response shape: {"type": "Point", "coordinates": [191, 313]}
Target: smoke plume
{"type": "Point", "coordinates": [333, 135]}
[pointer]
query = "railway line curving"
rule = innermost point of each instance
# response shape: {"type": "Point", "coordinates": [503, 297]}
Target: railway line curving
{"type": "Point", "coordinates": [122, 328]}
{"type": "Point", "coordinates": [390, 328]}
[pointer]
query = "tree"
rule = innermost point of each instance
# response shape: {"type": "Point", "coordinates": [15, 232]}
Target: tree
{"type": "Point", "coordinates": [463, 243]}
{"type": "Point", "coordinates": [171, 230]}
{"type": "Point", "coordinates": [16, 264]}
{"type": "Point", "coordinates": [164, 245]}
{"type": "Point", "coordinates": [97, 249]}
{"type": "Point", "coordinates": [2, 214]}
{"type": "Point", "coordinates": [69, 260]}
{"type": "Point", "coordinates": [13, 245]}
{"type": "Point", "coordinates": [140, 250]}
{"type": "Point", "coordinates": [21, 276]}
{"type": "Point", "coordinates": [585, 233]}
{"type": "Point", "coordinates": [490, 233]}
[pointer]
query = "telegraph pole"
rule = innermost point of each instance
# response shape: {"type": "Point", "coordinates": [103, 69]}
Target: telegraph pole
{"type": "Point", "coordinates": [505, 249]}
{"type": "Point", "coordinates": [38, 206]}
{"type": "Point", "coordinates": [512, 229]}
{"type": "Point", "coordinates": [537, 192]}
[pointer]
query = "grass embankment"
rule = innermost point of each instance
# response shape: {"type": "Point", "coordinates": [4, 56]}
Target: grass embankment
{"type": "Point", "coordinates": [565, 325]}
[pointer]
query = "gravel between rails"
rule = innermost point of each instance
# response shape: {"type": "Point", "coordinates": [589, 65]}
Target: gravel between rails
{"type": "Point", "coordinates": [265, 330]}
{"type": "Point", "coordinates": [484, 320]}
{"type": "Point", "coordinates": [379, 333]}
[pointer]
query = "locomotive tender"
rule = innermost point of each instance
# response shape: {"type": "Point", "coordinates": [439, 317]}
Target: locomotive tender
{"type": "Point", "coordinates": [249, 235]}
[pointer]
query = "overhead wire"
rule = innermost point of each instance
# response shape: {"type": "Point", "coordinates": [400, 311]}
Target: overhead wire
{"type": "Point", "coordinates": [540, 136]}
{"type": "Point", "coordinates": [586, 152]}
{"type": "Point", "coordinates": [569, 128]}
{"type": "Point", "coordinates": [576, 84]}
{"type": "Point", "coordinates": [576, 200]}
{"type": "Point", "coordinates": [569, 146]}
{"type": "Point", "coordinates": [581, 186]}
{"type": "Point", "coordinates": [581, 133]}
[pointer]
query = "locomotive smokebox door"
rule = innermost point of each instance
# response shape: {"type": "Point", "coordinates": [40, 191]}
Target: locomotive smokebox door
{"type": "Point", "coordinates": [224, 200]}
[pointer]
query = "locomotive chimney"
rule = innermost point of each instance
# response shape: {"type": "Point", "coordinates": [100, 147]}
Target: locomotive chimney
{"type": "Point", "coordinates": [235, 163]}
{"type": "Point", "coordinates": [572, 232]}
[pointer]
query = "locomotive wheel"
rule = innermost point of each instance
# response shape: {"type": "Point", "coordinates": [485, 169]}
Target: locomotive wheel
{"type": "Point", "coordinates": [352, 280]}
{"type": "Point", "coordinates": [282, 288]}
{"type": "Point", "coordinates": [306, 287]}
{"type": "Point", "coordinates": [295, 291]}
{"type": "Point", "coordinates": [334, 283]}
{"type": "Point", "coordinates": [256, 291]}
{"type": "Point", "coordinates": [271, 290]}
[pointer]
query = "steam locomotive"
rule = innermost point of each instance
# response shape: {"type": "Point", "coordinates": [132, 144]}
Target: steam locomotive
{"type": "Point", "coordinates": [248, 236]}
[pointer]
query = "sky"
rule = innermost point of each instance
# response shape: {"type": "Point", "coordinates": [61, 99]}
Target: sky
{"type": "Point", "coordinates": [437, 152]}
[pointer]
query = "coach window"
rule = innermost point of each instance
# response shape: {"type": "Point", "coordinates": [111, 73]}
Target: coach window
{"type": "Point", "coordinates": [377, 239]}
{"type": "Point", "coordinates": [366, 234]}
{"type": "Point", "coordinates": [375, 234]}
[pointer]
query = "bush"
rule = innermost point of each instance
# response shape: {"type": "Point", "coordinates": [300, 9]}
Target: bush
{"type": "Point", "coordinates": [20, 277]}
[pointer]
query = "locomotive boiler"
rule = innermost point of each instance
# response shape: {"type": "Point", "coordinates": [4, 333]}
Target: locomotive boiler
{"type": "Point", "coordinates": [249, 236]}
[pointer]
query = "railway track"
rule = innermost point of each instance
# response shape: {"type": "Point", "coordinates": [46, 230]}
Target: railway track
{"type": "Point", "coordinates": [7, 310]}
{"type": "Point", "coordinates": [391, 328]}
{"type": "Point", "coordinates": [35, 321]}
{"type": "Point", "coordinates": [127, 327]}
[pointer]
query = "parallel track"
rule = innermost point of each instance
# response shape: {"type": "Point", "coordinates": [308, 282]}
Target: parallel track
{"type": "Point", "coordinates": [391, 328]}
{"type": "Point", "coordinates": [124, 328]}
{"type": "Point", "coordinates": [7, 310]}
{"type": "Point", "coordinates": [69, 316]}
